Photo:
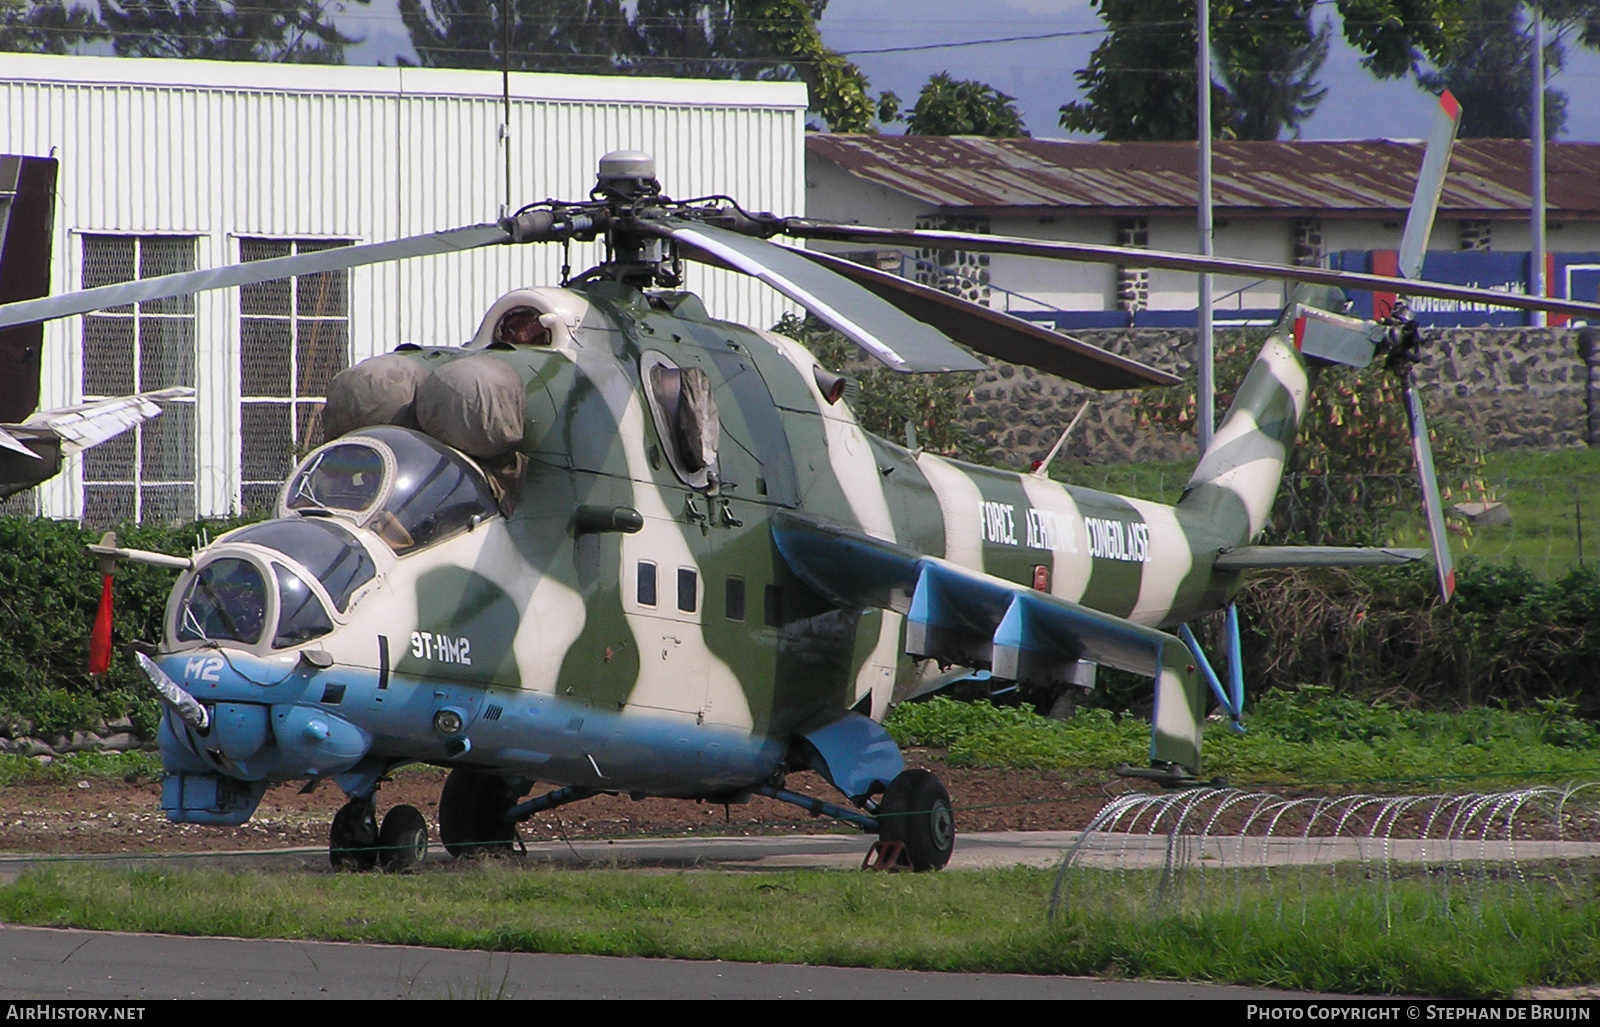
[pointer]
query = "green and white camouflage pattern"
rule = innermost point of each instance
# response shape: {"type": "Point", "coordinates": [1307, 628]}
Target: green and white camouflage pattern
{"type": "Point", "coordinates": [728, 644]}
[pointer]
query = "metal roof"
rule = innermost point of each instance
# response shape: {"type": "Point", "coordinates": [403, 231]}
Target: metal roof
{"type": "Point", "coordinates": [1488, 178]}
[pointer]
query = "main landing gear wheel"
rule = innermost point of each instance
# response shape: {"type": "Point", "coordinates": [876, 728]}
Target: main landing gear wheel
{"type": "Point", "coordinates": [471, 814]}
{"type": "Point", "coordinates": [353, 838]}
{"type": "Point", "coordinates": [916, 812]}
{"type": "Point", "coordinates": [403, 839]}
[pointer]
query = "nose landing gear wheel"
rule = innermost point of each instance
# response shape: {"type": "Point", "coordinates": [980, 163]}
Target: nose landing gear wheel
{"type": "Point", "coordinates": [916, 812]}
{"type": "Point", "coordinates": [353, 838]}
{"type": "Point", "coordinates": [471, 814]}
{"type": "Point", "coordinates": [403, 839]}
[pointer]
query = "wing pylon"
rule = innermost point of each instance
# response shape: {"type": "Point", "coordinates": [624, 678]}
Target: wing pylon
{"type": "Point", "coordinates": [959, 616]}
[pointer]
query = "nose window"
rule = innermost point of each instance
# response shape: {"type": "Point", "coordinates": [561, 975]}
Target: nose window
{"type": "Point", "coordinates": [300, 613]}
{"type": "Point", "coordinates": [227, 602]}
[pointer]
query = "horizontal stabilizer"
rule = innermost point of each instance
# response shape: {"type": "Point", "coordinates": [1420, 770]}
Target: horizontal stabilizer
{"type": "Point", "coordinates": [1255, 558]}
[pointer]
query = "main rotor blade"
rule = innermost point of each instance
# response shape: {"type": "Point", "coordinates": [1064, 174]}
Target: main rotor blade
{"type": "Point", "coordinates": [999, 334]}
{"type": "Point", "coordinates": [1128, 256]}
{"type": "Point", "coordinates": [900, 341]}
{"type": "Point", "coordinates": [1431, 504]}
{"type": "Point", "coordinates": [1430, 185]}
{"type": "Point", "coordinates": [251, 273]}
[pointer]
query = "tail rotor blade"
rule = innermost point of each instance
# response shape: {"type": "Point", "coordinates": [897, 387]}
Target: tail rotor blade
{"type": "Point", "coordinates": [1433, 507]}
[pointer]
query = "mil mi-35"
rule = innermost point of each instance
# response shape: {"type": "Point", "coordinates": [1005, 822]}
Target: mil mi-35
{"type": "Point", "coordinates": [614, 545]}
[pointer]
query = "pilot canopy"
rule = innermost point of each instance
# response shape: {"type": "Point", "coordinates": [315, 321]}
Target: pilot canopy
{"type": "Point", "coordinates": [409, 489]}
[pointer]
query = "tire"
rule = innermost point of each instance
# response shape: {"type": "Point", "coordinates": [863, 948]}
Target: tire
{"type": "Point", "coordinates": [916, 812]}
{"type": "Point", "coordinates": [353, 836]}
{"type": "Point", "coordinates": [470, 814]}
{"type": "Point", "coordinates": [403, 839]}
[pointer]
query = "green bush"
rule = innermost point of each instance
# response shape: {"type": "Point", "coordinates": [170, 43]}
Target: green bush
{"type": "Point", "coordinates": [1507, 638]}
{"type": "Point", "coordinates": [49, 591]}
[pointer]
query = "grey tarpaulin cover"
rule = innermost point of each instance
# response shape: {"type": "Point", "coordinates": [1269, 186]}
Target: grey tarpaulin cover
{"type": "Point", "coordinates": [475, 404]}
{"type": "Point", "coordinates": [379, 390]}
{"type": "Point", "coordinates": [699, 432]}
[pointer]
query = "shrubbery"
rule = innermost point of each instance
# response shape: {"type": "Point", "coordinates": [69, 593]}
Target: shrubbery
{"type": "Point", "coordinates": [49, 590]}
{"type": "Point", "coordinates": [1508, 637]}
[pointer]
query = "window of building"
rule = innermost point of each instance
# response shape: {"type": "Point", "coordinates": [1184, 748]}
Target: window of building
{"type": "Point", "coordinates": [294, 336]}
{"type": "Point", "coordinates": [148, 472]}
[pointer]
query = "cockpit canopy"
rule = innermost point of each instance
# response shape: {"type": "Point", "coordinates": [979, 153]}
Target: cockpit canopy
{"type": "Point", "coordinates": [233, 599]}
{"type": "Point", "coordinates": [411, 490]}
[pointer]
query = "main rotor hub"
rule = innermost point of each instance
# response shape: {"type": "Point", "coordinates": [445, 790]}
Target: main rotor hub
{"type": "Point", "coordinates": [627, 175]}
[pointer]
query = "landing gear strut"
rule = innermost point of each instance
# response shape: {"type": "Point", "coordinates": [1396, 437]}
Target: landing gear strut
{"type": "Point", "coordinates": [353, 838]}
{"type": "Point", "coordinates": [472, 814]}
{"type": "Point", "coordinates": [356, 842]}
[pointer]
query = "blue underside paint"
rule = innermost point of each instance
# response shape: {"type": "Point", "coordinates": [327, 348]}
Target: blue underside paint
{"type": "Point", "coordinates": [269, 724]}
{"type": "Point", "coordinates": [857, 755]}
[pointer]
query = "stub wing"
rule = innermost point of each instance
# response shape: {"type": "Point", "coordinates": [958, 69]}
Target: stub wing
{"type": "Point", "coordinates": [960, 616]}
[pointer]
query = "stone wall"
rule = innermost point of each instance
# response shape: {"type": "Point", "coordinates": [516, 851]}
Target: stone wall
{"type": "Point", "coordinates": [1508, 387]}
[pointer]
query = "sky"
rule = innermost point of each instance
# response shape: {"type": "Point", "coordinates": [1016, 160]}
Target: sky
{"type": "Point", "coordinates": [1039, 73]}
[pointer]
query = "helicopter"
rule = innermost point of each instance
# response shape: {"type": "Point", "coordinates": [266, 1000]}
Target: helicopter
{"type": "Point", "coordinates": [613, 545]}
{"type": "Point", "coordinates": [33, 442]}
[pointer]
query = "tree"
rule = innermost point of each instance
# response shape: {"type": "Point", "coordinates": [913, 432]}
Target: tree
{"type": "Point", "coordinates": [299, 31]}
{"type": "Point", "coordinates": [738, 39]}
{"type": "Point", "coordinates": [54, 28]}
{"type": "Point", "coordinates": [947, 107]}
{"type": "Point", "coordinates": [1140, 82]}
{"type": "Point", "coordinates": [1490, 70]}
{"type": "Point", "coordinates": [1272, 84]}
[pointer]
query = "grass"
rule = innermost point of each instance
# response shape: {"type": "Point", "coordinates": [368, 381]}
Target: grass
{"type": "Point", "coordinates": [1305, 738]}
{"type": "Point", "coordinates": [1547, 491]}
{"type": "Point", "coordinates": [80, 766]}
{"type": "Point", "coordinates": [1304, 931]}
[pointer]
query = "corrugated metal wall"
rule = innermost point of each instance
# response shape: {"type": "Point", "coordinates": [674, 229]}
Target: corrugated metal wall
{"type": "Point", "coordinates": [220, 151]}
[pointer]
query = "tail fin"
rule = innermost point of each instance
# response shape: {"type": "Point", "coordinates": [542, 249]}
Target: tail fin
{"type": "Point", "coordinates": [27, 216]}
{"type": "Point", "coordinates": [1233, 488]}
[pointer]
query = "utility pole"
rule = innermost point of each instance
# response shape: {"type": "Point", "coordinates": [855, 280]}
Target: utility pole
{"type": "Point", "coordinates": [1205, 387]}
{"type": "Point", "coordinates": [1536, 282]}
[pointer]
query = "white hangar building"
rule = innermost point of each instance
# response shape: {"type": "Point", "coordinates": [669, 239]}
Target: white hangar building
{"type": "Point", "coordinates": [177, 165]}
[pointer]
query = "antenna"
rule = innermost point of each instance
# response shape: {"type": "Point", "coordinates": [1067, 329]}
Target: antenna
{"type": "Point", "coordinates": [1043, 470]}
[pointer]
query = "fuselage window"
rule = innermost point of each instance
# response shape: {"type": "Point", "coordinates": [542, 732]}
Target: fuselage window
{"type": "Point", "coordinates": [522, 326]}
{"type": "Point", "coordinates": [688, 589]}
{"type": "Point", "coordinates": [733, 607]}
{"type": "Point", "coordinates": [685, 415]}
{"type": "Point", "coordinates": [773, 606]}
{"type": "Point", "coordinates": [647, 584]}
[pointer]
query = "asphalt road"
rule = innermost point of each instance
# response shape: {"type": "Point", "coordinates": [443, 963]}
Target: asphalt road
{"type": "Point", "coordinates": [45, 964]}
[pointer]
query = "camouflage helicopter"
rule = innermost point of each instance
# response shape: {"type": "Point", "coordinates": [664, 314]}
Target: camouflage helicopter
{"type": "Point", "coordinates": [613, 545]}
